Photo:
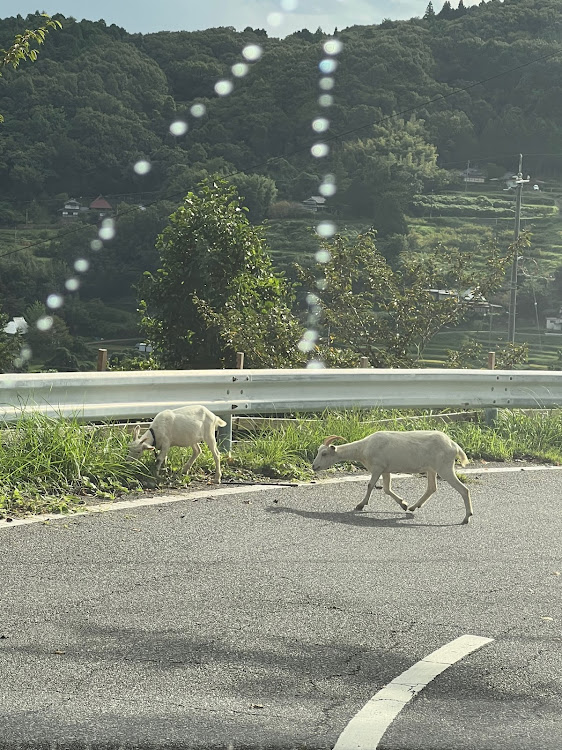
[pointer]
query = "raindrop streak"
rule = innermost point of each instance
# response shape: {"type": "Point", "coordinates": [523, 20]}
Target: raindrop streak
{"type": "Point", "coordinates": [240, 70]}
{"type": "Point", "coordinates": [252, 52]}
{"type": "Point", "coordinates": [142, 167]}
{"type": "Point", "coordinates": [333, 47]}
{"type": "Point", "coordinates": [107, 231]}
{"type": "Point", "coordinates": [54, 301]}
{"type": "Point", "coordinates": [320, 124]}
{"type": "Point", "coordinates": [275, 19]}
{"type": "Point", "coordinates": [81, 265]}
{"type": "Point", "coordinates": [179, 127]}
{"type": "Point", "coordinates": [45, 323]}
{"type": "Point", "coordinates": [224, 88]}
{"type": "Point", "coordinates": [319, 150]}
{"type": "Point", "coordinates": [328, 66]}
{"type": "Point", "coordinates": [327, 188]}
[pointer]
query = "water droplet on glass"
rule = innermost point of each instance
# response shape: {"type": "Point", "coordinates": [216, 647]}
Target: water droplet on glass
{"type": "Point", "coordinates": [107, 231]}
{"type": "Point", "coordinates": [179, 127]}
{"type": "Point", "coordinates": [198, 110]}
{"type": "Point", "coordinates": [305, 346]}
{"type": "Point", "coordinates": [252, 52]}
{"type": "Point", "coordinates": [289, 5]}
{"type": "Point", "coordinates": [54, 301]}
{"type": "Point", "coordinates": [320, 150]}
{"type": "Point", "coordinates": [320, 124]}
{"type": "Point", "coordinates": [223, 88]}
{"type": "Point", "coordinates": [25, 353]}
{"type": "Point", "coordinates": [325, 100]}
{"type": "Point", "coordinates": [96, 245]}
{"type": "Point", "coordinates": [72, 284]}
{"type": "Point", "coordinates": [326, 84]}
{"type": "Point", "coordinates": [142, 167]}
{"type": "Point", "coordinates": [322, 256]}
{"type": "Point", "coordinates": [328, 186]}
{"type": "Point", "coordinates": [321, 284]}
{"type": "Point", "coordinates": [315, 364]}
{"type": "Point", "coordinates": [275, 19]}
{"type": "Point", "coordinates": [240, 69]}
{"type": "Point", "coordinates": [45, 323]}
{"type": "Point", "coordinates": [311, 299]}
{"type": "Point", "coordinates": [326, 229]}
{"type": "Point", "coordinates": [81, 265]}
{"type": "Point", "coordinates": [333, 46]}
{"type": "Point", "coordinates": [328, 65]}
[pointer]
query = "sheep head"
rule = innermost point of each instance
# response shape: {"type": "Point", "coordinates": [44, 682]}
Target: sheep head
{"type": "Point", "coordinates": [327, 454]}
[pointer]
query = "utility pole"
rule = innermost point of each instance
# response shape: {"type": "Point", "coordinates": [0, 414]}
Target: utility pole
{"type": "Point", "coordinates": [515, 262]}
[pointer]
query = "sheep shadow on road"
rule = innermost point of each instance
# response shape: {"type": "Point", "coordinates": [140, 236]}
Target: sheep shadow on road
{"type": "Point", "coordinates": [359, 518]}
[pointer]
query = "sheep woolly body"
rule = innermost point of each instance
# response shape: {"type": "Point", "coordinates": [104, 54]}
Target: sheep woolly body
{"type": "Point", "coordinates": [185, 427]}
{"type": "Point", "coordinates": [412, 452]}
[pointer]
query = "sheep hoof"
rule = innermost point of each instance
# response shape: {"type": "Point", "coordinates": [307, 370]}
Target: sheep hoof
{"type": "Point", "coordinates": [404, 506]}
{"type": "Point", "coordinates": [411, 509]}
{"type": "Point", "coordinates": [467, 520]}
{"type": "Point", "coordinates": [359, 507]}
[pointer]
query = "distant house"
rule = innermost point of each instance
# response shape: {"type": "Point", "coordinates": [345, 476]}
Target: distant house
{"type": "Point", "coordinates": [469, 297]}
{"type": "Point", "coordinates": [101, 206]}
{"type": "Point", "coordinates": [143, 347]}
{"type": "Point", "coordinates": [554, 323]}
{"type": "Point", "coordinates": [71, 209]}
{"type": "Point", "coordinates": [472, 174]}
{"type": "Point", "coordinates": [314, 203]}
{"type": "Point", "coordinates": [16, 325]}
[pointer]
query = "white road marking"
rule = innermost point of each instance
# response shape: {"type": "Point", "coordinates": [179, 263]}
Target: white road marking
{"type": "Point", "coordinates": [139, 503]}
{"type": "Point", "coordinates": [217, 492]}
{"type": "Point", "coordinates": [367, 727]}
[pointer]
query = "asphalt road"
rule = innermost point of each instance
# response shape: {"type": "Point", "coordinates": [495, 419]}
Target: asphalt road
{"type": "Point", "coordinates": [269, 619]}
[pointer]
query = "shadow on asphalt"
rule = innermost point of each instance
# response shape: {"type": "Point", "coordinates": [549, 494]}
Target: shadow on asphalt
{"type": "Point", "coordinates": [358, 518]}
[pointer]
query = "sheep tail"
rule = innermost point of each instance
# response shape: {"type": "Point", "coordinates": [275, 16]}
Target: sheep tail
{"type": "Point", "coordinates": [462, 455]}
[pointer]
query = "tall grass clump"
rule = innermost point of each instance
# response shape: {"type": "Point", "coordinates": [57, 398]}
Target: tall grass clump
{"type": "Point", "coordinates": [50, 464]}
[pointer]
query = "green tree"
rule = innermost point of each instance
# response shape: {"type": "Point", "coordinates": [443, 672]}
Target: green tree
{"type": "Point", "coordinates": [215, 290]}
{"type": "Point", "coordinates": [429, 14]}
{"type": "Point", "coordinates": [389, 315]}
{"type": "Point", "coordinates": [23, 47]}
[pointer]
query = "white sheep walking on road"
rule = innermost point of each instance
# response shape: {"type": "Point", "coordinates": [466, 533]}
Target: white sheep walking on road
{"type": "Point", "coordinates": [384, 453]}
{"type": "Point", "coordinates": [185, 427]}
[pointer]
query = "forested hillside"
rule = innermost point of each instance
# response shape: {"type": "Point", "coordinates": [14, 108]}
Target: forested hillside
{"type": "Point", "coordinates": [404, 107]}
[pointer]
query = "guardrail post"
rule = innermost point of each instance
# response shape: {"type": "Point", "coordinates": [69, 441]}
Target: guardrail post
{"type": "Point", "coordinates": [491, 415]}
{"type": "Point", "coordinates": [239, 360]}
{"type": "Point", "coordinates": [364, 362]}
{"type": "Point", "coordinates": [225, 435]}
{"type": "Point", "coordinates": [102, 360]}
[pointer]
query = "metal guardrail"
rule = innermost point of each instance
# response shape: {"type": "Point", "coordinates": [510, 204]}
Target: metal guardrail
{"type": "Point", "coordinates": [99, 396]}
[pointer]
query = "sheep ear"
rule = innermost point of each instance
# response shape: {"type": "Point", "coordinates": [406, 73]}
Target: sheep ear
{"type": "Point", "coordinates": [330, 440]}
{"type": "Point", "coordinates": [136, 431]}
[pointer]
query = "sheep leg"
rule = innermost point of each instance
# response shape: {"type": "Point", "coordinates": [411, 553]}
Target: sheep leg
{"type": "Point", "coordinates": [450, 477]}
{"type": "Point", "coordinates": [194, 456]}
{"type": "Point", "coordinates": [161, 460]}
{"type": "Point", "coordinates": [372, 482]}
{"type": "Point", "coordinates": [387, 487]}
{"type": "Point", "coordinates": [431, 488]}
{"type": "Point", "coordinates": [217, 457]}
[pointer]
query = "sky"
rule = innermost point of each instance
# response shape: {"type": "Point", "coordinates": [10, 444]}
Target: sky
{"type": "Point", "coordinates": [278, 17]}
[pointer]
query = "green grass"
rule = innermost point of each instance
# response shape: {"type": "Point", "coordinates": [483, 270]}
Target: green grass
{"type": "Point", "coordinates": [58, 465]}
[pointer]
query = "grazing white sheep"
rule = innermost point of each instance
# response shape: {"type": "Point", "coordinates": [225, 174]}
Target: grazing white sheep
{"type": "Point", "coordinates": [411, 452]}
{"type": "Point", "coordinates": [185, 427]}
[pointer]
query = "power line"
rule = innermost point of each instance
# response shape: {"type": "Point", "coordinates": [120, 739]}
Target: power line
{"type": "Point", "coordinates": [334, 137]}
